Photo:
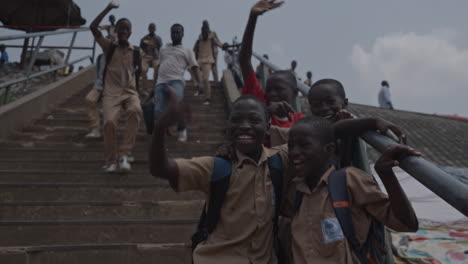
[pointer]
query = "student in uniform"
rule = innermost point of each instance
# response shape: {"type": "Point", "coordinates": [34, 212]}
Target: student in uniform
{"type": "Point", "coordinates": [150, 46]}
{"type": "Point", "coordinates": [120, 91]}
{"type": "Point", "coordinates": [317, 235]}
{"type": "Point", "coordinates": [111, 32]}
{"type": "Point", "coordinates": [308, 81]}
{"type": "Point", "coordinates": [281, 87]}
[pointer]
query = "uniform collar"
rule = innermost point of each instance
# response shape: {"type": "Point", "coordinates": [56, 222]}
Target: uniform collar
{"type": "Point", "coordinates": [301, 185]}
{"type": "Point", "coordinates": [266, 153]}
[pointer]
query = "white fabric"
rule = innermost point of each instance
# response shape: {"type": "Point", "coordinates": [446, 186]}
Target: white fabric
{"type": "Point", "coordinates": [175, 60]}
{"type": "Point", "coordinates": [384, 97]}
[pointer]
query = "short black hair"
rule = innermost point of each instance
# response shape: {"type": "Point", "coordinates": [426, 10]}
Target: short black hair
{"type": "Point", "coordinates": [257, 101]}
{"type": "Point", "coordinates": [177, 25]}
{"type": "Point", "coordinates": [324, 127]}
{"type": "Point", "coordinates": [286, 75]}
{"type": "Point", "coordinates": [332, 82]}
{"type": "Point", "coordinates": [122, 20]}
{"type": "Point", "coordinates": [384, 83]}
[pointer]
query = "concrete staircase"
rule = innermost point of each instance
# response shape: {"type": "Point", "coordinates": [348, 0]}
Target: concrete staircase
{"type": "Point", "coordinates": [57, 206]}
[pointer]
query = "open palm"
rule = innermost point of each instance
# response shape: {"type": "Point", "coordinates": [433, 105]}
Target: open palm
{"type": "Point", "coordinates": [262, 6]}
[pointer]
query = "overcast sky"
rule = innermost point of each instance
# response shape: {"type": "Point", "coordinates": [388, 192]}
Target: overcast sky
{"type": "Point", "coordinates": [419, 46]}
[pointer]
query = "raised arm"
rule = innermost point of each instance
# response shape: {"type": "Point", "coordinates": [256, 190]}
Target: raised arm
{"type": "Point", "coordinates": [400, 205]}
{"type": "Point", "coordinates": [94, 26]}
{"type": "Point", "coordinates": [159, 163]}
{"type": "Point", "coordinates": [355, 127]}
{"type": "Point", "coordinates": [245, 54]}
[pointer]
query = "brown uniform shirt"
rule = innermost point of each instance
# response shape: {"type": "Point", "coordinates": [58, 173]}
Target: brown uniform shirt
{"type": "Point", "coordinates": [120, 75]}
{"type": "Point", "coordinates": [244, 233]}
{"type": "Point", "coordinates": [316, 234]}
{"type": "Point", "coordinates": [205, 51]}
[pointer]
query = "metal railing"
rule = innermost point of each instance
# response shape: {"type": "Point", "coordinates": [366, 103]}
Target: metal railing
{"type": "Point", "coordinates": [37, 47]}
{"type": "Point", "coordinates": [434, 178]}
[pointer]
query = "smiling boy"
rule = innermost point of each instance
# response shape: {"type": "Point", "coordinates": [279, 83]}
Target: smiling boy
{"type": "Point", "coordinates": [244, 231]}
{"type": "Point", "coordinates": [316, 232]}
{"type": "Point", "coordinates": [120, 90]}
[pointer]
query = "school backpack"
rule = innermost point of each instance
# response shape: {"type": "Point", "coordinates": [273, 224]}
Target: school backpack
{"type": "Point", "coordinates": [136, 64]}
{"type": "Point", "coordinates": [373, 251]}
{"type": "Point", "coordinates": [219, 186]}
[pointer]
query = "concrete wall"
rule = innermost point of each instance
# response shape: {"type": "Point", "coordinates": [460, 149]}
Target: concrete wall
{"type": "Point", "coordinates": [23, 111]}
{"type": "Point", "coordinates": [230, 88]}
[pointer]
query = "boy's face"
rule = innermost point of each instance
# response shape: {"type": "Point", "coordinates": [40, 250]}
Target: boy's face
{"type": "Point", "coordinates": [247, 126]}
{"type": "Point", "coordinates": [177, 33]}
{"type": "Point", "coordinates": [306, 151]}
{"type": "Point", "coordinates": [277, 90]}
{"type": "Point", "coordinates": [325, 101]}
{"type": "Point", "coordinates": [205, 33]}
{"type": "Point", "coordinates": [152, 28]}
{"type": "Point", "coordinates": [124, 30]}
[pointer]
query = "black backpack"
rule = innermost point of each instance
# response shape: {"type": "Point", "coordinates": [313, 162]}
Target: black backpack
{"type": "Point", "coordinates": [136, 64]}
{"type": "Point", "coordinates": [373, 251]}
{"type": "Point", "coordinates": [219, 186]}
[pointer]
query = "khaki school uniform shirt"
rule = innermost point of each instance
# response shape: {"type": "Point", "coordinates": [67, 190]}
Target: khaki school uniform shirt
{"type": "Point", "coordinates": [120, 73]}
{"type": "Point", "coordinates": [244, 233]}
{"type": "Point", "coordinates": [205, 51]}
{"type": "Point", "coordinates": [316, 233]}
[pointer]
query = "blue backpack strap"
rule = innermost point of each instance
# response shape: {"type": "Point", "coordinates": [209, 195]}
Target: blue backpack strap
{"type": "Point", "coordinates": [337, 188]}
{"type": "Point", "coordinates": [219, 186]}
{"type": "Point", "coordinates": [137, 66]}
{"type": "Point", "coordinates": [275, 165]}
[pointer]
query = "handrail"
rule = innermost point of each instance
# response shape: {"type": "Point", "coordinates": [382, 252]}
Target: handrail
{"type": "Point", "coordinates": [7, 85]}
{"type": "Point", "coordinates": [434, 178]}
{"type": "Point", "coordinates": [41, 34]}
{"type": "Point", "coordinates": [302, 87]}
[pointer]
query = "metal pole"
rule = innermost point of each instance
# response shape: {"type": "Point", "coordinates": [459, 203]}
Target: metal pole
{"type": "Point", "coordinates": [5, 95]}
{"type": "Point", "coordinates": [33, 57]}
{"type": "Point", "coordinates": [435, 179]}
{"type": "Point", "coordinates": [72, 42]}
{"type": "Point", "coordinates": [93, 56]}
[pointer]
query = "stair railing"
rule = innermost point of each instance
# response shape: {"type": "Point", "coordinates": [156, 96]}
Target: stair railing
{"type": "Point", "coordinates": [37, 47]}
{"type": "Point", "coordinates": [434, 178]}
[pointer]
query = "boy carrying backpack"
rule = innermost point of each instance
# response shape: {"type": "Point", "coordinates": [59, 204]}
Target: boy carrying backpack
{"type": "Point", "coordinates": [336, 213]}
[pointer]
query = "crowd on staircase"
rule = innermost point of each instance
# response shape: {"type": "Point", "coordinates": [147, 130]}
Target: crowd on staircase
{"type": "Point", "coordinates": [284, 188]}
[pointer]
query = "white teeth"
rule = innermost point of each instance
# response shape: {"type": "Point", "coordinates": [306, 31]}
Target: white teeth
{"type": "Point", "coordinates": [298, 162]}
{"type": "Point", "coordinates": [244, 137]}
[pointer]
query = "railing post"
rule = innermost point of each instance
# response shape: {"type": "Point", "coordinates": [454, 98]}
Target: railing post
{"type": "Point", "coordinates": [6, 95]}
{"type": "Point", "coordinates": [72, 42]}
{"type": "Point", "coordinates": [34, 55]}
{"type": "Point", "coordinates": [93, 56]}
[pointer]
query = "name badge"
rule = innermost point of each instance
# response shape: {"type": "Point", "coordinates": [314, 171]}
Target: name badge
{"type": "Point", "coordinates": [331, 230]}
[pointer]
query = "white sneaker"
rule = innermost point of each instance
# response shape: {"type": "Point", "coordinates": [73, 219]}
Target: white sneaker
{"type": "Point", "coordinates": [182, 136]}
{"type": "Point", "coordinates": [131, 159]}
{"type": "Point", "coordinates": [111, 168]}
{"type": "Point", "coordinates": [197, 93]}
{"type": "Point", "coordinates": [206, 102]}
{"type": "Point", "coordinates": [95, 133]}
{"type": "Point", "coordinates": [124, 165]}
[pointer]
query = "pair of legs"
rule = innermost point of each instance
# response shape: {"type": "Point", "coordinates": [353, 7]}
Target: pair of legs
{"type": "Point", "coordinates": [112, 108]}
{"type": "Point", "coordinates": [146, 63]}
{"type": "Point", "coordinates": [206, 68]}
{"type": "Point", "coordinates": [92, 99]}
{"type": "Point", "coordinates": [161, 98]}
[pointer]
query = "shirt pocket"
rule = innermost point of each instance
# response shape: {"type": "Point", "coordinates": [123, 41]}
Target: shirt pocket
{"type": "Point", "coordinates": [332, 237]}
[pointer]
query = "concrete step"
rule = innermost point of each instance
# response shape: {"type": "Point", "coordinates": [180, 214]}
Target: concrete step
{"type": "Point", "coordinates": [28, 233]}
{"type": "Point", "coordinates": [89, 210]}
{"type": "Point", "coordinates": [26, 192]}
{"type": "Point", "coordinates": [48, 153]}
{"type": "Point", "coordinates": [77, 176]}
{"type": "Point", "coordinates": [175, 253]}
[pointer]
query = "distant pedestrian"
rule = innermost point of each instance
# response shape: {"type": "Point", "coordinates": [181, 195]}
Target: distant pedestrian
{"type": "Point", "coordinates": [263, 72]}
{"type": "Point", "coordinates": [175, 60]}
{"type": "Point", "coordinates": [4, 56]}
{"type": "Point", "coordinates": [111, 33]}
{"type": "Point", "coordinates": [216, 43]}
{"type": "Point", "coordinates": [308, 81]}
{"type": "Point", "coordinates": [150, 45]}
{"type": "Point", "coordinates": [293, 67]}
{"type": "Point", "coordinates": [385, 100]}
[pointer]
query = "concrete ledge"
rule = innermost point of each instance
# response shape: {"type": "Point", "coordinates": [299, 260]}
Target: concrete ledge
{"type": "Point", "coordinates": [230, 88]}
{"type": "Point", "coordinates": [23, 111]}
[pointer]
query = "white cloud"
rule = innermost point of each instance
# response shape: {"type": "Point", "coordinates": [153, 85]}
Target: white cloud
{"type": "Point", "coordinates": [427, 72]}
